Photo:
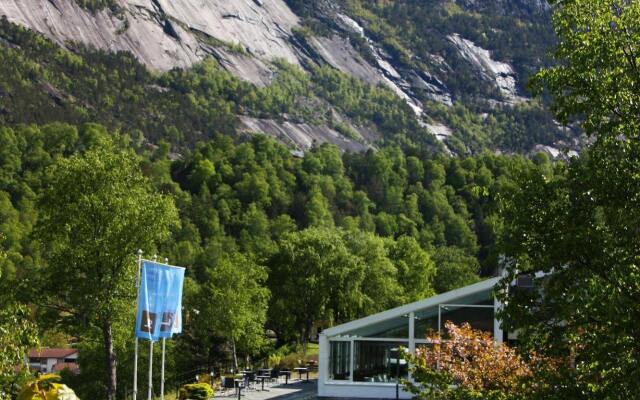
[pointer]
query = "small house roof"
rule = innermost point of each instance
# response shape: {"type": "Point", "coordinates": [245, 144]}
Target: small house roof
{"type": "Point", "coordinates": [51, 353]}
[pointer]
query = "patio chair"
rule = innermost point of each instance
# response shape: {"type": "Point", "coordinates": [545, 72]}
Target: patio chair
{"type": "Point", "coordinates": [228, 383]}
{"type": "Point", "coordinates": [275, 375]}
{"type": "Point", "coordinates": [250, 380]}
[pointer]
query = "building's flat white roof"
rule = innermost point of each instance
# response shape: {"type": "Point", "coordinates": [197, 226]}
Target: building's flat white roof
{"type": "Point", "coordinates": [443, 298]}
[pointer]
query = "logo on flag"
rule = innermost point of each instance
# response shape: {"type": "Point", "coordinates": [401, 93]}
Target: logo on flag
{"type": "Point", "coordinates": [159, 301]}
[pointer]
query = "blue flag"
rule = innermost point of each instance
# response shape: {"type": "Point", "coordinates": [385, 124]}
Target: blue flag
{"type": "Point", "coordinates": [159, 301]}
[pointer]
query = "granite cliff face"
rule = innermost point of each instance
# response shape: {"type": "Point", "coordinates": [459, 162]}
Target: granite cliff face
{"type": "Point", "coordinates": [502, 74]}
{"type": "Point", "coordinates": [244, 35]}
{"type": "Point", "coordinates": [164, 34]}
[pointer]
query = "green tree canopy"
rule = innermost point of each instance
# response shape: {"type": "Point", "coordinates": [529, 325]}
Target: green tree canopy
{"type": "Point", "coordinates": [580, 227]}
{"type": "Point", "coordinates": [415, 269]}
{"type": "Point", "coordinates": [233, 301]}
{"type": "Point", "coordinates": [454, 269]}
{"type": "Point", "coordinates": [597, 77]}
{"type": "Point", "coordinates": [17, 335]}
{"type": "Point", "coordinates": [97, 211]}
{"type": "Point", "coordinates": [381, 288]}
{"type": "Point", "coordinates": [314, 276]}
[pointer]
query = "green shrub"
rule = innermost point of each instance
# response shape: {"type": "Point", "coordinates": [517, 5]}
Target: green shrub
{"type": "Point", "coordinates": [292, 360]}
{"type": "Point", "coordinates": [274, 360]}
{"type": "Point", "coordinates": [347, 131]}
{"type": "Point", "coordinates": [196, 391]}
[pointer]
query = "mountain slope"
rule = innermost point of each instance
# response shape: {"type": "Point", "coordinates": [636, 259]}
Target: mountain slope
{"type": "Point", "coordinates": [41, 82]}
{"type": "Point", "coordinates": [453, 63]}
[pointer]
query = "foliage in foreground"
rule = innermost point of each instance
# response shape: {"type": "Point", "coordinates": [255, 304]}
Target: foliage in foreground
{"type": "Point", "coordinates": [467, 364]}
{"type": "Point", "coordinates": [46, 387]}
{"type": "Point", "coordinates": [580, 228]}
{"type": "Point", "coordinates": [18, 334]}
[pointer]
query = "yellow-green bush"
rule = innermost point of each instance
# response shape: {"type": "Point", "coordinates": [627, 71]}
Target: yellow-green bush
{"type": "Point", "coordinates": [196, 391]}
{"type": "Point", "coordinates": [274, 360]}
{"type": "Point", "coordinates": [46, 387]}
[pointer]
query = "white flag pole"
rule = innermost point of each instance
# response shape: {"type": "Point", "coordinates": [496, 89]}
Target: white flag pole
{"type": "Point", "coordinates": [135, 361]}
{"type": "Point", "coordinates": [150, 369]}
{"type": "Point", "coordinates": [166, 261]}
{"type": "Point", "coordinates": [150, 395]}
{"type": "Point", "coordinates": [162, 374]}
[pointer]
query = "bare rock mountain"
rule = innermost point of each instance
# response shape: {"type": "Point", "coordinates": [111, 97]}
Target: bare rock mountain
{"type": "Point", "coordinates": [501, 73]}
{"type": "Point", "coordinates": [165, 34]}
{"type": "Point", "coordinates": [244, 35]}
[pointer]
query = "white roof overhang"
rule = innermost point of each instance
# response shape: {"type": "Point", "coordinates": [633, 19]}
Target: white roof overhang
{"type": "Point", "coordinates": [443, 298]}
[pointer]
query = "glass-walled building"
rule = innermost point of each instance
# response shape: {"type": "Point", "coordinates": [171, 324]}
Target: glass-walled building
{"type": "Point", "coordinates": [359, 359]}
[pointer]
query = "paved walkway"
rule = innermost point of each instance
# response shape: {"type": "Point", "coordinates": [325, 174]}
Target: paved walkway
{"type": "Point", "coordinates": [295, 390]}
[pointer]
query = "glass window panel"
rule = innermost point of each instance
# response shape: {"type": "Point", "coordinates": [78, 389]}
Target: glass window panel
{"type": "Point", "coordinates": [426, 326]}
{"type": "Point", "coordinates": [396, 328]}
{"type": "Point", "coordinates": [378, 361]}
{"type": "Point", "coordinates": [340, 361]}
{"type": "Point", "coordinates": [396, 332]}
{"type": "Point", "coordinates": [480, 318]}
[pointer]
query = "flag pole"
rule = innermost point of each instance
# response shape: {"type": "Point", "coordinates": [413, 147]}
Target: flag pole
{"type": "Point", "coordinates": [135, 361]}
{"type": "Point", "coordinates": [162, 373]}
{"type": "Point", "coordinates": [166, 261]}
{"type": "Point", "coordinates": [150, 394]}
{"type": "Point", "coordinates": [150, 369]}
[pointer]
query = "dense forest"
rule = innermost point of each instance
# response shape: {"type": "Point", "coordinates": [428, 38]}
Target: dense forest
{"type": "Point", "coordinates": [402, 226]}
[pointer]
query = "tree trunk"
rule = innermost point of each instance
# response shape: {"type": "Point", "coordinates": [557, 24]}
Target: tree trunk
{"type": "Point", "coordinates": [111, 360]}
{"type": "Point", "coordinates": [235, 355]}
{"type": "Point", "coordinates": [305, 337]}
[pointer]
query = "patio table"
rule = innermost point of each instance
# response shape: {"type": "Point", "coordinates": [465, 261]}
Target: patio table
{"type": "Point", "coordinates": [287, 375]}
{"type": "Point", "coordinates": [263, 378]}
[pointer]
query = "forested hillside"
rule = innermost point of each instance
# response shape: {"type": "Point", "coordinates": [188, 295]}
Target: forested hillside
{"type": "Point", "coordinates": [421, 41]}
{"type": "Point", "coordinates": [181, 106]}
{"type": "Point", "coordinates": [400, 226]}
